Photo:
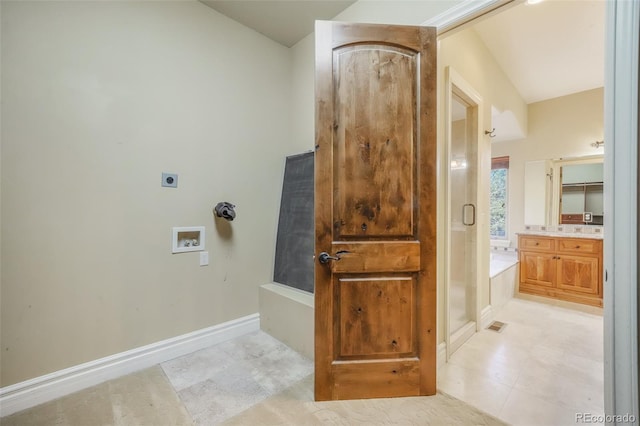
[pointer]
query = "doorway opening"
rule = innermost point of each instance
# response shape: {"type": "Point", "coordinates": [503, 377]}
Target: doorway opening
{"type": "Point", "coordinates": [511, 364]}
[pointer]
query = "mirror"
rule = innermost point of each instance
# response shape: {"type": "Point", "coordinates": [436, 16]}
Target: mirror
{"type": "Point", "coordinates": [564, 191]}
{"type": "Point", "coordinates": [581, 188]}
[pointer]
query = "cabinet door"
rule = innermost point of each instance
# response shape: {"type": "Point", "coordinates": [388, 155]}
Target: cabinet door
{"type": "Point", "coordinates": [579, 274]}
{"type": "Point", "coordinates": [537, 268]}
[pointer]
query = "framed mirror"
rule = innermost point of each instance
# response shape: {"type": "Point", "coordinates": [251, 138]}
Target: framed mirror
{"type": "Point", "coordinates": [564, 191]}
{"type": "Point", "coordinates": [580, 192]}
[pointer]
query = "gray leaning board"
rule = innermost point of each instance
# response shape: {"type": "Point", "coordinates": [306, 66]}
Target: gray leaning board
{"type": "Point", "coordinates": [295, 241]}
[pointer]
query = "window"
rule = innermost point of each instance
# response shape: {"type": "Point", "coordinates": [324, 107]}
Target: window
{"type": "Point", "coordinates": [498, 202]}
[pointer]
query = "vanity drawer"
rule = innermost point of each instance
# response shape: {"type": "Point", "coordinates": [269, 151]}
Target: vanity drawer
{"type": "Point", "coordinates": [536, 243]}
{"type": "Point", "coordinates": [579, 245]}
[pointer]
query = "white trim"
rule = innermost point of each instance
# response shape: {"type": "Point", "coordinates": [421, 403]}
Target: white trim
{"type": "Point", "coordinates": [441, 355]}
{"type": "Point", "coordinates": [621, 202]}
{"type": "Point", "coordinates": [464, 12]}
{"type": "Point", "coordinates": [486, 316]}
{"type": "Point", "coordinates": [29, 393]}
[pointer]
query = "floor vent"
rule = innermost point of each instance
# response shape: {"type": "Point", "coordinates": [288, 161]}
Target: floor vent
{"type": "Point", "coordinates": [497, 326]}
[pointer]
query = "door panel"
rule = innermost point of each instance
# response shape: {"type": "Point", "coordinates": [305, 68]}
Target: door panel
{"type": "Point", "coordinates": [376, 317]}
{"type": "Point", "coordinates": [375, 211]}
{"type": "Point", "coordinates": [371, 256]}
{"type": "Point", "coordinates": [374, 95]}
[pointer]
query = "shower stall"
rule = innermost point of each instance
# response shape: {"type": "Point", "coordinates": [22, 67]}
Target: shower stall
{"type": "Point", "coordinates": [462, 141]}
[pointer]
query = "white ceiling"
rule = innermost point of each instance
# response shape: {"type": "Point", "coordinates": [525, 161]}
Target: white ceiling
{"type": "Point", "coordinates": [549, 49]}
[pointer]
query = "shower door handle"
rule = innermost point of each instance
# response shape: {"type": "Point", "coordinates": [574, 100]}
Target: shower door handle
{"type": "Point", "coordinates": [464, 215]}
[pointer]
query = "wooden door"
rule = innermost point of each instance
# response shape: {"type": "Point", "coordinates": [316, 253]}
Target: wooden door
{"type": "Point", "coordinates": [538, 268]}
{"type": "Point", "coordinates": [375, 211]}
{"type": "Point", "coordinates": [580, 274]}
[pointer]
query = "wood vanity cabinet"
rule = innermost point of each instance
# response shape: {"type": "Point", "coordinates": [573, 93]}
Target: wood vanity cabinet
{"type": "Point", "coordinates": [562, 268]}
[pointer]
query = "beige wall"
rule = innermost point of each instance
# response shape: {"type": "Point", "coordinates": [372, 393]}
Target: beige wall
{"type": "Point", "coordinates": [467, 54]}
{"type": "Point", "coordinates": [563, 127]}
{"type": "Point", "coordinates": [302, 94]}
{"type": "Point", "coordinates": [99, 98]}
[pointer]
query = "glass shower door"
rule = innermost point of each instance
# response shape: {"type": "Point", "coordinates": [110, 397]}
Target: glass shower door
{"type": "Point", "coordinates": [462, 238]}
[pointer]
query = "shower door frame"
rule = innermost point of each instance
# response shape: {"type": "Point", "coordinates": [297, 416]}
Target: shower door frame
{"type": "Point", "coordinates": [455, 83]}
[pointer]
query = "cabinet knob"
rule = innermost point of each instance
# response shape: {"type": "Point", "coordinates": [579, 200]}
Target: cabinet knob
{"type": "Point", "coordinates": [577, 247]}
{"type": "Point", "coordinates": [537, 244]}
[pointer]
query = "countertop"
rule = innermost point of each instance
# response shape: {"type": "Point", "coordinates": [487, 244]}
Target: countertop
{"type": "Point", "coordinates": [594, 236]}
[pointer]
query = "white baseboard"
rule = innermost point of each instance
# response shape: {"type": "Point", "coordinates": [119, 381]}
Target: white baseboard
{"type": "Point", "coordinates": [29, 393]}
{"type": "Point", "coordinates": [486, 316]}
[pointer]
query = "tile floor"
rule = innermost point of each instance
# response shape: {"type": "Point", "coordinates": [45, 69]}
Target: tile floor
{"type": "Point", "coordinates": [219, 382]}
{"type": "Point", "coordinates": [542, 369]}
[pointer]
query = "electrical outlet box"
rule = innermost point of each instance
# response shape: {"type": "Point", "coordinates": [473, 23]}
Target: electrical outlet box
{"type": "Point", "coordinates": [170, 180]}
{"type": "Point", "coordinates": [187, 238]}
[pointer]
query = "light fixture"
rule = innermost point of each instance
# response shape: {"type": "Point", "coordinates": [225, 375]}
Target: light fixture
{"type": "Point", "coordinates": [534, 1]}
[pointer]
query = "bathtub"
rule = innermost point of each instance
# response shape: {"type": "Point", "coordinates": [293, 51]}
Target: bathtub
{"type": "Point", "coordinates": [503, 278]}
{"type": "Point", "coordinates": [499, 262]}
